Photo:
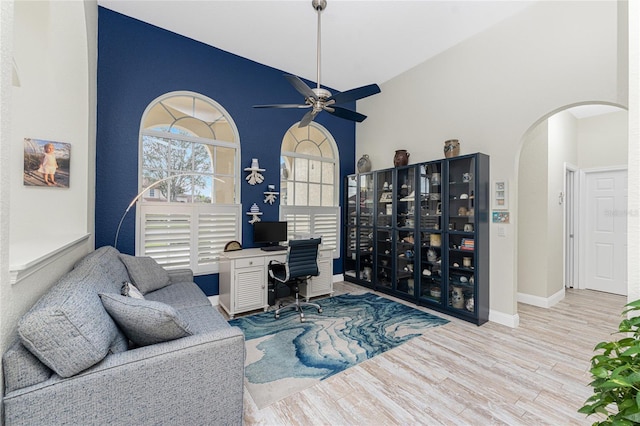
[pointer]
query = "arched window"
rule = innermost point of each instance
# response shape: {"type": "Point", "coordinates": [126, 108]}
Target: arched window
{"type": "Point", "coordinates": [309, 184]}
{"type": "Point", "coordinates": [189, 161]}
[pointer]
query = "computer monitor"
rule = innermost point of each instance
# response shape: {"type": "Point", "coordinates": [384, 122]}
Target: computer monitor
{"type": "Point", "coordinates": [271, 233]}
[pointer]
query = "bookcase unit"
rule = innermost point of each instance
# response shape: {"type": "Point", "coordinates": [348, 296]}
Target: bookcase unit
{"type": "Point", "coordinates": [421, 232]}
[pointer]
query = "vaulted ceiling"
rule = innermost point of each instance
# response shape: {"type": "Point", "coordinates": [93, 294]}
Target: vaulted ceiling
{"type": "Point", "coordinates": [362, 42]}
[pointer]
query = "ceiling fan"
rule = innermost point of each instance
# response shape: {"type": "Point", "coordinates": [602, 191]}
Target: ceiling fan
{"type": "Point", "coordinates": [319, 99]}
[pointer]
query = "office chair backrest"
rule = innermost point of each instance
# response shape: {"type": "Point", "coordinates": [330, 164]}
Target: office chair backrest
{"type": "Point", "coordinates": [302, 258]}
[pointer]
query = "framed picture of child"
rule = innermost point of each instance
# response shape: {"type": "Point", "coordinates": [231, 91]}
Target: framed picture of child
{"type": "Point", "coordinates": [46, 163]}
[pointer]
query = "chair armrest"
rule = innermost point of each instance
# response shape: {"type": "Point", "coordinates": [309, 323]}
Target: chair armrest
{"type": "Point", "coordinates": [180, 275]}
{"type": "Point", "coordinates": [275, 264]}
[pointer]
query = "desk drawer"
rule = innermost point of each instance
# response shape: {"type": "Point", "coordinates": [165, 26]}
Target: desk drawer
{"type": "Point", "coordinates": [325, 254]}
{"type": "Point", "coordinates": [249, 262]}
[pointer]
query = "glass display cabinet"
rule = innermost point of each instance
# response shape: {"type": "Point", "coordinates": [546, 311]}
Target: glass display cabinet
{"type": "Point", "coordinates": [430, 201]}
{"type": "Point", "coordinates": [467, 237]}
{"type": "Point", "coordinates": [421, 233]}
{"type": "Point", "coordinates": [404, 234]}
{"type": "Point", "coordinates": [350, 226]}
{"type": "Point", "coordinates": [358, 260]}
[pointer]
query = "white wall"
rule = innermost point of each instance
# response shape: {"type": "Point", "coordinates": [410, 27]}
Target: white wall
{"type": "Point", "coordinates": [532, 209]}
{"type": "Point", "coordinates": [633, 222]}
{"type": "Point", "coordinates": [487, 92]}
{"type": "Point", "coordinates": [54, 45]}
{"type": "Point", "coordinates": [603, 140]}
{"type": "Point", "coordinates": [563, 148]}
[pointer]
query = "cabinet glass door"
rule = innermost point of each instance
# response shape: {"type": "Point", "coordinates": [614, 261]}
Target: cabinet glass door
{"type": "Point", "coordinates": [461, 194]}
{"type": "Point", "coordinates": [405, 222]}
{"type": "Point", "coordinates": [366, 199]}
{"type": "Point", "coordinates": [350, 228]}
{"type": "Point", "coordinates": [384, 257]}
{"type": "Point", "coordinates": [462, 285]}
{"type": "Point", "coordinates": [384, 198]}
{"type": "Point", "coordinates": [405, 257]}
{"type": "Point", "coordinates": [461, 236]}
{"type": "Point", "coordinates": [430, 267]}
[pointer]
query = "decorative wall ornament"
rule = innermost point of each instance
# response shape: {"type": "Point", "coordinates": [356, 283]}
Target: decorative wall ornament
{"type": "Point", "coordinates": [270, 195]}
{"type": "Point", "coordinates": [255, 213]}
{"type": "Point", "coordinates": [255, 177]}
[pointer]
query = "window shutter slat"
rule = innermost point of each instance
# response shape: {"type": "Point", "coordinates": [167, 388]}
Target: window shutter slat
{"type": "Point", "coordinates": [303, 222]}
{"type": "Point", "coordinates": [192, 238]}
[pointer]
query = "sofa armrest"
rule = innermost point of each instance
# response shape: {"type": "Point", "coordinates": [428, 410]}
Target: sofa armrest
{"type": "Point", "coordinates": [180, 275]}
{"type": "Point", "coordinates": [194, 380]}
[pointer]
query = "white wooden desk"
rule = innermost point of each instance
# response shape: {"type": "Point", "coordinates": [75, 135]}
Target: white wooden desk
{"type": "Point", "coordinates": [244, 277]}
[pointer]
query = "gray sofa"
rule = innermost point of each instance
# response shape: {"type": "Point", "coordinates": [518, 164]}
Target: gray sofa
{"type": "Point", "coordinates": [73, 363]}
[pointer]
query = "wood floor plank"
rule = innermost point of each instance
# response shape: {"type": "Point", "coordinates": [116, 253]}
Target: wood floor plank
{"type": "Point", "coordinates": [462, 374]}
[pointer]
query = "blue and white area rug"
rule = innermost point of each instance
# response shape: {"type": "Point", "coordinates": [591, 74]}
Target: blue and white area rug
{"type": "Point", "coordinates": [285, 356]}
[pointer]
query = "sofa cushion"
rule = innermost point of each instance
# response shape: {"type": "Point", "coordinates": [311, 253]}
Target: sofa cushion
{"type": "Point", "coordinates": [21, 368]}
{"type": "Point", "coordinates": [145, 322]}
{"type": "Point", "coordinates": [180, 295]}
{"type": "Point", "coordinates": [204, 319]}
{"type": "Point", "coordinates": [145, 273]}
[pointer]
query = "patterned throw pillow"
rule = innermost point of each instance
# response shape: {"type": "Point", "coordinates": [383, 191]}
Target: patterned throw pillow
{"type": "Point", "coordinates": [131, 290]}
{"type": "Point", "coordinates": [145, 322]}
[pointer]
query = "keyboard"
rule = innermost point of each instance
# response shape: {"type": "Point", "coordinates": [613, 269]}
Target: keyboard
{"type": "Point", "coordinates": [273, 248]}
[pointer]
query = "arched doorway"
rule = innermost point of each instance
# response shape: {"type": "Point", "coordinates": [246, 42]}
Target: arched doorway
{"type": "Point", "coordinates": [556, 153]}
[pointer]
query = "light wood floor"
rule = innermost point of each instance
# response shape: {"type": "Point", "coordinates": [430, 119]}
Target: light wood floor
{"type": "Point", "coordinates": [461, 374]}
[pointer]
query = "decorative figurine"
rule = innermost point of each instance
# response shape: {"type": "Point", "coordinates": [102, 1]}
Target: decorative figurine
{"type": "Point", "coordinates": [255, 213]}
{"type": "Point", "coordinates": [270, 194]}
{"type": "Point", "coordinates": [255, 177]}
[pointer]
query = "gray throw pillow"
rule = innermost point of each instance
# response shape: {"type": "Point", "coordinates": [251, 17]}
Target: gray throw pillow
{"type": "Point", "coordinates": [145, 322]}
{"type": "Point", "coordinates": [145, 273]}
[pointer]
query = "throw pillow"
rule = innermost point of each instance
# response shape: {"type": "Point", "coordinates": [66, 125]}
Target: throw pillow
{"type": "Point", "coordinates": [145, 322]}
{"type": "Point", "coordinates": [131, 290]}
{"type": "Point", "coordinates": [145, 273]}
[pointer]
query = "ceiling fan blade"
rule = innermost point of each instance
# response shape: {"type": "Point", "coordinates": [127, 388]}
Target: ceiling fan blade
{"type": "Point", "coordinates": [345, 113]}
{"type": "Point", "coordinates": [355, 94]}
{"type": "Point", "coordinates": [301, 87]}
{"type": "Point", "coordinates": [283, 106]}
{"type": "Point", "coordinates": [308, 118]}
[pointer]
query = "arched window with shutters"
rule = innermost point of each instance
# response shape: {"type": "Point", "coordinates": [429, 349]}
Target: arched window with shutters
{"type": "Point", "coordinates": [189, 159]}
{"type": "Point", "coordinates": [309, 184]}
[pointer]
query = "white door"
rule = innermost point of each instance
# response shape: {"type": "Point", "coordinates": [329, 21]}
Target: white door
{"type": "Point", "coordinates": [606, 231]}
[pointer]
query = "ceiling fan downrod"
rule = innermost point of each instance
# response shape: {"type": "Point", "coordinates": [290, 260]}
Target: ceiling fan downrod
{"type": "Point", "coordinates": [319, 6]}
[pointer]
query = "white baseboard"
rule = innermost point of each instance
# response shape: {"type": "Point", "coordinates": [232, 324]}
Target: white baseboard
{"type": "Point", "coordinates": [512, 321]}
{"type": "Point", "coordinates": [213, 300]}
{"type": "Point", "coordinates": [542, 302]}
{"type": "Point", "coordinates": [338, 277]}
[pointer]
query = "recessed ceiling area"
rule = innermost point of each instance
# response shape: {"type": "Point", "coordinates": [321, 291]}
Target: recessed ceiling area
{"type": "Point", "coordinates": [363, 42]}
{"type": "Point", "coordinates": [586, 111]}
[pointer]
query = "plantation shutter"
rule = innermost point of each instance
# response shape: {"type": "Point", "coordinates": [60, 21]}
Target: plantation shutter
{"type": "Point", "coordinates": [305, 222]}
{"type": "Point", "coordinates": [188, 236]}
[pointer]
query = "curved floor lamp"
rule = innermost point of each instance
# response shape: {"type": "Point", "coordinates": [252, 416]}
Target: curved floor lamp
{"type": "Point", "coordinates": [141, 193]}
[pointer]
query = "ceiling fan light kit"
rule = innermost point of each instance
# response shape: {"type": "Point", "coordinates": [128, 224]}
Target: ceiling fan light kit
{"type": "Point", "coordinates": [319, 99]}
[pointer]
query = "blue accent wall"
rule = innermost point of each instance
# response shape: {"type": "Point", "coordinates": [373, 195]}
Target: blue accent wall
{"type": "Point", "coordinates": [137, 63]}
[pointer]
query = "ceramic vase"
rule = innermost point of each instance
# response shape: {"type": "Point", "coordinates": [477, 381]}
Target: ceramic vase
{"type": "Point", "coordinates": [401, 158]}
{"type": "Point", "coordinates": [364, 164]}
{"type": "Point", "coordinates": [451, 148]}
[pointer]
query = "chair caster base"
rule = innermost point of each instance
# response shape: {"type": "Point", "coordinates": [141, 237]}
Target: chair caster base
{"type": "Point", "coordinates": [319, 310]}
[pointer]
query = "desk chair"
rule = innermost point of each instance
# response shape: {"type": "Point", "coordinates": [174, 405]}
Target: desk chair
{"type": "Point", "coordinates": [301, 264]}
